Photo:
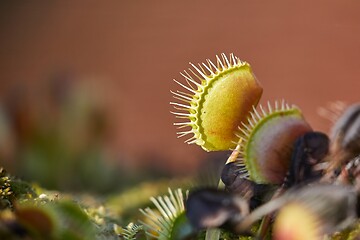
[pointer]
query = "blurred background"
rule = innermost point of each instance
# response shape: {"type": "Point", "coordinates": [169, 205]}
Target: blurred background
{"type": "Point", "coordinates": [84, 85]}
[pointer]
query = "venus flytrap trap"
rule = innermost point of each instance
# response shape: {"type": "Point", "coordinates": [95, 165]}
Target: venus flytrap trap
{"type": "Point", "coordinates": [217, 98]}
{"type": "Point", "coordinates": [168, 221]}
{"type": "Point", "coordinates": [266, 141]}
{"type": "Point", "coordinates": [283, 228]}
{"type": "Point", "coordinates": [130, 232]}
{"type": "Point", "coordinates": [346, 143]}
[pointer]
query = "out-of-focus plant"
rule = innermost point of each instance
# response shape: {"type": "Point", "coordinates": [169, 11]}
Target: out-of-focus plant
{"type": "Point", "coordinates": [30, 212]}
{"type": "Point", "coordinates": [131, 231]}
{"type": "Point", "coordinates": [57, 136]}
{"type": "Point", "coordinates": [169, 222]}
{"type": "Point", "coordinates": [12, 188]}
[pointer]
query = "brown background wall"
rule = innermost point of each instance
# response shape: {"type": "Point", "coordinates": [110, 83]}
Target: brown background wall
{"type": "Point", "coordinates": [303, 51]}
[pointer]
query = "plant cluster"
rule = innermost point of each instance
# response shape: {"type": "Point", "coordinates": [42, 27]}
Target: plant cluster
{"type": "Point", "coordinates": [283, 180]}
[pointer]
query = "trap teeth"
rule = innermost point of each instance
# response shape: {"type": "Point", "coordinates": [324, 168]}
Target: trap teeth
{"type": "Point", "coordinates": [217, 98]}
{"type": "Point", "coordinates": [267, 139]}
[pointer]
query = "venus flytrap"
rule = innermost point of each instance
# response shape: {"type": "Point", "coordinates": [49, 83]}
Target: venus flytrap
{"type": "Point", "coordinates": [345, 132]}
{"type": "Point", "coordinates": [131, 230]}
{"type": "Point", "coordinates": [278, 162]}
{"type": "Point", "coordinates": [217, 99]}
{"type": "Point", "coordinates": [219, 108]}
{"type": "Point", "coordinates": [168, 221]}
{"type": "Point", "coordinates": [266, 141]}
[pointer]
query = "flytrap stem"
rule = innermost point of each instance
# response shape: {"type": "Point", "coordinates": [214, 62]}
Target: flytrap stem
{"type": "Point", "coordinates": [214, 233]}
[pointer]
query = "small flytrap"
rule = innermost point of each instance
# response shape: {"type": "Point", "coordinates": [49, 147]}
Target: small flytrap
{"type": "Point", "coordinates": [283, 180]}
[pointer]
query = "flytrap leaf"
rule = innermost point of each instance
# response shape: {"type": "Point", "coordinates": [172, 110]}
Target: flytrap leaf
{"type": "Point", "coordinates": [217, 98]}
{"type": "Point", "coordinates": [168, 221]}
{"type": "Point", "coordinates": [267, 140]}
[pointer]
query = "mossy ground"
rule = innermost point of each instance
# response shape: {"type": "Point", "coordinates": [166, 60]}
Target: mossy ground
{"type": "Point", "coordinates": [31, 212]}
